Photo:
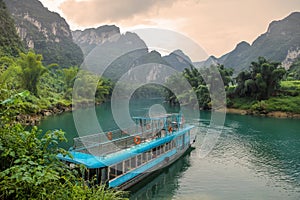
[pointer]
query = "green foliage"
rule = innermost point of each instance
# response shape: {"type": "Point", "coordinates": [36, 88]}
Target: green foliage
{"type": "Point", "coordinates": [9, 73]}
{"type": "Point", "coordinates": [29, 165]}
{"type": "Point", "coordinates": [262, 81]}
{"type": "Point", "coordinates": [284, 104]}
{"type": "Point", "coordinates": [69, 75]}
{"type": "Point", "coordinates": [10, 43]}
{"type": "Point", "coordinates": [50, 87]}
{"type": "Point", "coordinates": [244, 103]}
{"type": "Point", "coordinates": [11, 105]}
{"type": "Point", "coordinates": [281, 103]}
{"type": "Point", "coordinates": [202, 82]}
{"type": "Point", "coordinates": [49, 33]}
{"type": "Point", "coordinates": [294, 71]}
{"type": "Point", "coordinates": [88, 88]}
{"type": "Point", "coordinates": [290, 88]}
{"type": "Point", "coordinates": [31, 71]}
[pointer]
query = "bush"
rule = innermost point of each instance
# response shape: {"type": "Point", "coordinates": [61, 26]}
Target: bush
{"type": "Point", "coordinates": [29, 165]}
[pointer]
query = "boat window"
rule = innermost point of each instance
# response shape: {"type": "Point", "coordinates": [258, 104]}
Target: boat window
{"type": "Point", "coordinates": [179, 141]}
{"type": "Point", "coordinates": [92, 174]}
{"type": "Point", "coordinates": [86, 174]}
{"type": "Point", "coordinates": [119, 168]}
{"type": "Point", "coordinates": [144, 157]}
{"type": "Point", "coordinates": [103, 174]}
{"type": "Point", "coordinates": [162, 149]}
{"type": "Point", "coordinates": [158, 151]}
{"type": "Point", "coordinates": [183, 140]}
{"type": "Point", "coordinates": [127, 165]}
{"type": "Point", "coordinates": [95, 175]}
{"type": "Point", "coordinates": [139, 160]}
{"type": "Point", "coordinates": [149, 155]}
{"type": "Point", "coordinates": [133, 162]}
{"type": "Point", "coordinates": [163, 132]}
{"type": "Point", "coordinates": [154, 152]}
{"type": "Point", "coordinates": [167, 147]}
{"type": "Point", "coordinates": [112, 172]}
{"type": "Point", "coordinates": [173, 144]}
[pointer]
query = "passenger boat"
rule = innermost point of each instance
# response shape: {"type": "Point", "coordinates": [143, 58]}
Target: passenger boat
{"type": "Point", "coordinates": [121, 158]}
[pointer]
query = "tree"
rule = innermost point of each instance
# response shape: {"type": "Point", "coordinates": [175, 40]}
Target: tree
{"type": "Point", "coordinates": [89, 86]}
{"type": "Point", "coordinates": [262, 80]}
{"type": "Point", "coordinates": [202, 82]}
{"type": "Point", "coordinates": [9, 73]}
{"type": "Point", "coordinates": [29, 167]}
{"type": "Point", "coordinates": [31, 71]}
{"type": "Point", "coordinates": [69, 75]}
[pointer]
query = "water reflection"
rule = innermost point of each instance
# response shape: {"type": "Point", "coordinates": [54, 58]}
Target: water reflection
{"type": "Point", "coordinates": [161, 185]}
{"type": "Point", "coordinates": [268, 150]}
{"type": "Point", "coordinates": [255, 158]}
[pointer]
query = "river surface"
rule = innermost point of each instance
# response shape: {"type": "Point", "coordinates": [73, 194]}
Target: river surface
{"type": "Point", "coordinates": [254, 158]}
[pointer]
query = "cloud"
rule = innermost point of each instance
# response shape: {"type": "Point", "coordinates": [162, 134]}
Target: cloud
{"type": "Point", "coordinates": [91, 12]}
{"type": "Point", "coordinates": [216, 25]}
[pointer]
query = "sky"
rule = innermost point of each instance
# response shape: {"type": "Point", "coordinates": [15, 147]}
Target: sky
{"type": "Point", "coordinates": [216, 25]}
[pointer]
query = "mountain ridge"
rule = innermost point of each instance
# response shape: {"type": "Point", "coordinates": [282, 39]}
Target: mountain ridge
{"type": "Point", "coordinates": [280, 43]}
{"type": "Point", "coordinates": [132, 51]}
{"type": "Point", "coordinates": [44, 31]}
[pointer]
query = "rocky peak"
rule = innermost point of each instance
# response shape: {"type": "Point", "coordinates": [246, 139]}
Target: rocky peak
{"type": "Point", "coordinates": [289, 23]}
{"type": "Point", "coordinates": [178, 60]}
{"type": "Point", "coordinates": [108, 36]}
{"type": "Point", "coordinates": [281, 43]}
{"type": "Point", "coordinates": [242, 45]}
{"type": "Point", "coordinates": [96, 36]}
{"type": "Point", "coordinates": [44, 31]}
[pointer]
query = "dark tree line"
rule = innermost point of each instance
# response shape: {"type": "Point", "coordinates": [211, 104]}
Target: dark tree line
{"type": "Point", "coordinates": [204, 83]}
{"type": "Point", "coordinates": [261, 81]}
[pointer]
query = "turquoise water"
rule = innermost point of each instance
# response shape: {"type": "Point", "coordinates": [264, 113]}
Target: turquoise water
{"type": "Point", "coordinates": [254, 158]}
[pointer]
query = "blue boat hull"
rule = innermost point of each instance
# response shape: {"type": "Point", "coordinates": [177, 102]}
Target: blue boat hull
{"type": "Point", "coordinates": [160, 164]}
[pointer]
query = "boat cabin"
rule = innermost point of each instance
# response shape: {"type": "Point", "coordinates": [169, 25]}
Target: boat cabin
{"type": "Point", "coordinates": [118, 157]}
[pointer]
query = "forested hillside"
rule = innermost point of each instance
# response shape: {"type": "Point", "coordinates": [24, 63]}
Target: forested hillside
{"type": "Point", "coordinates": [10, 43]}
{"type": "Point", "coordinates": [45, 32]}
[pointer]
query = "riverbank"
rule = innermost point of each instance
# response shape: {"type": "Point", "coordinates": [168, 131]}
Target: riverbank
{"type": "Point", "coordinates": [31, 120]}
{"type": "Point", "coordinates": [34, 118]}
{"type": "Point", "coordinates": [241, 106]}
{"type": "Point", "coordinates": [275, 114]}
{"type": "Point", "coordinates": [278, 106]}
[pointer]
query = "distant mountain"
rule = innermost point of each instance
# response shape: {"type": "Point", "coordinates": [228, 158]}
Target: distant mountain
{"type": "Point", "coordinates": [109, 52]}
{"type": "Point", "coordinates": [106, 44]}
{"type": "Point", "coordinates": [90, 38]}
{"type": "Point", "coordinates": [212, 60]}
{"type": "Point", "coordinates": [281, 43]}
{"type": "Point", "coordinates": [178, 60]}
{"type": "Point", "coordinates": [10, 43]}
{"type": "Point", "coordinates": [46, 32]}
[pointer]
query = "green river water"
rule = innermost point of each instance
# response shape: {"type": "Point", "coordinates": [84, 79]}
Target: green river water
{"type": "Point", "coordinates": [254, 158]}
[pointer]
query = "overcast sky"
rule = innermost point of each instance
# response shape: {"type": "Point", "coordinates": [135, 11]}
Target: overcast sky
{"type": "Point", "coordinates": [216, 25]}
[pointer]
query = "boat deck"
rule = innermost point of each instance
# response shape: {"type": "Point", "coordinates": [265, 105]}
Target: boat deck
{"type": "Point", "coordinates": [146, 130]}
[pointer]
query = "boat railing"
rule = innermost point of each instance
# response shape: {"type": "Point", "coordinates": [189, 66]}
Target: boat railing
{"type": "Point", "coordinates": [102, 144]}
{"type": "Point", "coordinates": [145, 130]}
